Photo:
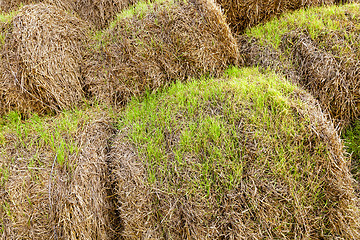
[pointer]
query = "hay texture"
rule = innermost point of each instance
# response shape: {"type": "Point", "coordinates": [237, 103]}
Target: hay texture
{"type": "Point", "coordinates": [152, 45]}
{"type": "Point", "coordinates": [56, 187]}
{"type": "Point", "coordinates": [242, 14]}
{"type": "Point", "coordinates": [99, 13]}
{"type": "Point", "coordinates": [318, 50]}
{"type": "Point", "coordinates": [247, 157]}
{"type": "Point", "coordinates": [41, 59]}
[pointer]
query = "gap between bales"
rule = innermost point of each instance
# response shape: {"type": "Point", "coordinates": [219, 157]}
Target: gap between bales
{"type": "Point", "coordinates": [54, 176]}
{"type": "Point", "coordinates": [249, 156]}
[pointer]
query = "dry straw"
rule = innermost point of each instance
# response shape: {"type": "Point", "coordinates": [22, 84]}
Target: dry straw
{"type": "Point", "coordinates": [164, 43]}
{"type": "Point", "coordinates": [333, 78]}
{"type": "Point", "coordinates": [42, 198]}
{"type": "Point", "coordinates": [261, 205]}
{"type": "Point", "coordinates": [99, 12]}
{"type": "Point", "coordinates": [41, 59]}
{"type": "Point", "coordinates": [242, 14]}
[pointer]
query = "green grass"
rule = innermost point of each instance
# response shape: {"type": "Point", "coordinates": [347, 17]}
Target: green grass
{"type": "Point", "coordinates": [315, 21]}
{"type": "Point", "coordinates": [207, 117]}
{"type": "Point", "coordinates": [351, 136]}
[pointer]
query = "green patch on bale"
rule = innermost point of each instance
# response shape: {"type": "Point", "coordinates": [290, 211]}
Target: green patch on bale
{"type": "Point", "coordinates": [316, 21]}
{"type": "Point", "coordinates": [249, 155]}
{"type": "Point", "coordinates": [351, 136]}
{"type": "Point", "coordinates": [52, 175]}
{"type": "Point", "coordinates": [319, 49]}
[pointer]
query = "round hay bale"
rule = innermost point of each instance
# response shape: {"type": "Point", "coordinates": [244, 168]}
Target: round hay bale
{"type": "Point", "coordinates": [332, 78]}
{"type": "Point", "coordinates": [99, 13]}
{"type": "Point", "coordinates": [247, 157]}
{"type": "Point", "coordinates": [56, 187]}
{"type": "Point", "coordinates": [41, 56]}
{"type": "Point", "coordinates": [247, 13]}
{"type": "Point", "coordinates": [317, 49]}
{"type": "Point", "coordinates": [152, 45]}
{"type": "Point", "coordinates": [11, 5]}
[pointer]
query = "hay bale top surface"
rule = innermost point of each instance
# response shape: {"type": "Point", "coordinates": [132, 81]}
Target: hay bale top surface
{"type": "Point", "coordinates": [249, 149]}
{"type": "Point", "coordinates": [242, 14]}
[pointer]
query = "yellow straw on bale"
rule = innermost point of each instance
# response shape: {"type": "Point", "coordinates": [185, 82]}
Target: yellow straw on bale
{"type": "Point", "coordinates": [157, 44]}
{"type": "Point", "coordinates": [41, 59]}
{"type": "Point", "coordinates": [99, 13]}
{"type": "Point", "coordinates": [242, 14]}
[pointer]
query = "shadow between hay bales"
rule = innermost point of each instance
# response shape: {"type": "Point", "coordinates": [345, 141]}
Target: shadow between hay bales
{"type": "Point", "coordinates": [151, 46]}
{"type": "Point", "coordinates": [247, 157]}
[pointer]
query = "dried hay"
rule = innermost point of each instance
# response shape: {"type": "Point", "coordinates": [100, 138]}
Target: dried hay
{"type": "Point", "coordinates": [324, 59]}
{"type": "Point", "coordinates": [333, 79]}
{"type": "Point", "coordinates": [156, 45]}
{"type": "Point", "coordinates": [56, 190]}
{"type": "Point", "coordinates": [248, 13]}
{"type": "Point", "coordinates": [160, 186]}
{"type": "Point", "coordinates": [101, 12]}
{"type": "Point", "coordinates": [97, 12]}
{"type": "Point", "coordinates": [41, 60]}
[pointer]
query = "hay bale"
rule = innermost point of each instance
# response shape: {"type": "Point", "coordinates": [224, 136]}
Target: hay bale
{"type": "Point", "coordinates": [248, 13]}
{"type": "Point", "coordinates": [57, 187]}
{"type": "Point", "coordinates": [99, 13]}
{"type": "Point", "coordinates": [248, 157]}
{"type": "Point", "coordinates": [152, 45]}
{"type": "Point", "coordinates": [41, 57]}
{"type": "Point", "coordinates": [11, 5]}
{"type": "Point", "coordinates": [335, 83]}
{"type": "Point", "coordinates": [316, 49]}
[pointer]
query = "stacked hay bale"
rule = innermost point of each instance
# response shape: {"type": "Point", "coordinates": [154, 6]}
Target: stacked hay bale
{"type": "Point", "coordinates": [152, 45]}
{"type": "Point", "coordinates": [101, 12]}
{"type": "Point", "coordinates": [248, 13]}
{"type": "Point", "coordinates": [316, 48]}
{"type": "Point", "coordinates": [247, 157]}
{"type": "Point", "coordinates": [54, 177]}
{"type": "Point", "coordinates": [97, 12]}
{"type": "Point", "coordinates": [41, 57]}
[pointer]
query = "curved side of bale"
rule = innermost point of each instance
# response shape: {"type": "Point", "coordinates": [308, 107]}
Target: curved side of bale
{"type": "Point", "coordinates": [86, 211]}
{"type": "Point", "coordinates": [248, 13]}
{"type": "Point", "coordinates": [42, 54]}
{"type": "Point", "coordinates": [166, 42]}
{"type": "Point", "coordinates": [321, 55]}
{"type": "Point", "coordinates": [335, 83]}
{"type": "Point", "coordinates": [206, 161]}
{"type": "Point", "coordinates": [57, 187]}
